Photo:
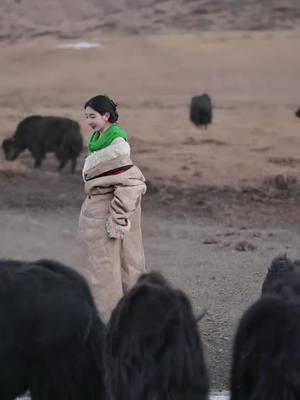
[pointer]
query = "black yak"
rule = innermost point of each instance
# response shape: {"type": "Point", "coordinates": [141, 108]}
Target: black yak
{"type": "Point", "coordinates": [51, 337]}
{"type": "Point", "coordinates": [201, 110]}
{"type": "Point", "coordinates": [153, 348]}
{"type": "Point", "coordinates": [297, 112]}
{"type": "Point", "coordinates": [43, 134]}
{"type": "Point", "coordinates": [282, 276]}
{"type": "Point", "coordinates": [266, 351]}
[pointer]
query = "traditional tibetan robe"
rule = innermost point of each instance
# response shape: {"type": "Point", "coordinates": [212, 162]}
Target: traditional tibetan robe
{"type": "Point", "coordinates": [110, 224]}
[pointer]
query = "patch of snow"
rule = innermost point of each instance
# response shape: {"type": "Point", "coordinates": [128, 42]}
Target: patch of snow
{"type": "Point", "coordinates": [79, 45]}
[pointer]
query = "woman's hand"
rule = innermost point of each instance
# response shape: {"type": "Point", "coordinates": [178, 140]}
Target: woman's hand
{"type": "Point", "coordinates": [117, 231]}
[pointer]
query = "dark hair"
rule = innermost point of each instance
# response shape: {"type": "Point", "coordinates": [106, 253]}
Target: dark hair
{"type": "Point", "coordinates": [103, 104]}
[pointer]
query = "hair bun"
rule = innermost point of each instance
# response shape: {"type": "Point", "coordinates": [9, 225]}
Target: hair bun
{"type": "Point", "coordinates": [113, 104]}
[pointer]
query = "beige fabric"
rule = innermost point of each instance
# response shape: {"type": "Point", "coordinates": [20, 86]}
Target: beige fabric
{"type": "Point", "coordinates": [107, 165]}
{"type": "Point", "coordinates": [116, 155]}
{"type": "Point", "coordinates": [111, 265]}
{"type": "Point", "coordinates": [99, 158]}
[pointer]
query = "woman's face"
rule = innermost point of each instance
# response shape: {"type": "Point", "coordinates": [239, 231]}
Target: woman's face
{"type": "Point", "coordinates": [95, 120]}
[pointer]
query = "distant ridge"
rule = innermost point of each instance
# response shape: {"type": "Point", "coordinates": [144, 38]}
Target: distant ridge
{"type": "Point", "coordinates": [74, 18]}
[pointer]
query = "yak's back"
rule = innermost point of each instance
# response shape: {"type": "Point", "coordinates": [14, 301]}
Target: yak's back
{"type": "Point", "coordinates": [154, 349]}
{"type": "Point", "coordinates": [266, 356]}
{"type": "Point", "coordinates": [48, 298]}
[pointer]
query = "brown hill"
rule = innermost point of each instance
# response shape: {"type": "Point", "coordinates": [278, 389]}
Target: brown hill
{"type": "Point", "coordinates": [74, 18]}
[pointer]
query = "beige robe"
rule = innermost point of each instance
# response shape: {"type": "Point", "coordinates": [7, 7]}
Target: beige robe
{"type": "Point", "coordinates": [113, 254]}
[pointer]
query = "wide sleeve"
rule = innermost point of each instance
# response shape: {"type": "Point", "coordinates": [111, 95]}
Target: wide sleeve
{"type": "Point", "coordinates": [126, 198]}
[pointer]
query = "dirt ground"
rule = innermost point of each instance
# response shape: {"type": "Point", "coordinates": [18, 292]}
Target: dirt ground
{"type": "Point", "coordinates": [221, 203]}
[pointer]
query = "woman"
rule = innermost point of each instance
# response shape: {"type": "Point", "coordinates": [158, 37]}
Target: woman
{"type": "Point", "coordinates": [110, 218]}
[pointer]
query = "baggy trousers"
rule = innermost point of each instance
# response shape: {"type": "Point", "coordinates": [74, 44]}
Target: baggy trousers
{"type": "Point", "coordinates": [111, 266]}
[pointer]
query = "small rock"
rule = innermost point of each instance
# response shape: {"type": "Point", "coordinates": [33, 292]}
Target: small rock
{"type": "Point", "coordinates": [228, 233]}
{"type": "Point", "coordinates": [245, 246]}
{"type": "Point", "coordinates": [166, 196]}
{"type": "Point", "coordinates": [210, 241]}
{"type": "Point", "coordinates": [200, 202]}
{"type": "Point", "coordinates": [197, 173]}
{"type": "Point", "coordinates": [281, 182]}
{"type": "Point", "coordinates": [255, 234]}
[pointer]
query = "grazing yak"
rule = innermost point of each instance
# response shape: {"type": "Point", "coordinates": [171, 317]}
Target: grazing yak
{"type": "Point", "coordinates": [51, 337]}
{"type": "Point", "coordinates": [266, 350]}
{"type": "Point", "coordinates": [43, 134]}
{"type": "Point", "coordinates": [153, 348]}
{"type": "Point", "coordinates": [201, 110]}
{"type": "Point", "coordinates": [297, 112]}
